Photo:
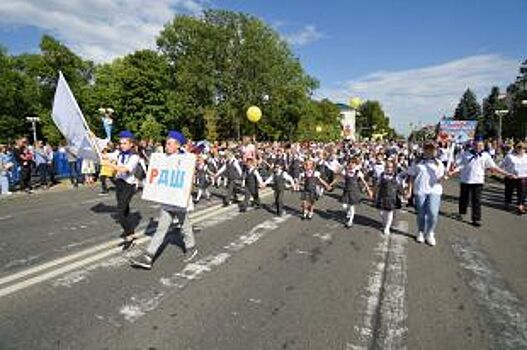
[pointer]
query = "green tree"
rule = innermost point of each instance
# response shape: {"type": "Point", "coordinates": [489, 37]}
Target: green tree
{"type": "Point", "coordinates": [516, 125]}
{"type": "Point", "coordinates": [229, 61]}
{"type": "Point", "coordinates": [468, 107]}
{"type": "Point", "coordinates": [488, 125]}
{"type": "Point", "coordinates": [151, 129]}
{"type": "Point", "coordinates": [372, 120]}
{"type": "Point", "coordinates": [19, 99]}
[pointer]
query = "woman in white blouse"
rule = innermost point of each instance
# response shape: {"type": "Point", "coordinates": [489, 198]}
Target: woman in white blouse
{"type": "Point", "coordinates": [425, 176]}
{"type": "Point", "coordinates": [516, 164]}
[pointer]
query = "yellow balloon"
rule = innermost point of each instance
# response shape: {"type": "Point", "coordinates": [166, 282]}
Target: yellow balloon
{"type": "Point", "coordinates": [318, 128]}
{"type": "Point", "coordinates": [254, 114]}
{"type": "Point", "coordinates": [355, 102]}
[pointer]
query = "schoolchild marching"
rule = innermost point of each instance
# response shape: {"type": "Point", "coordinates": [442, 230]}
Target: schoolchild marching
{"type": "Point", "coordinates": [279, 180]}
{"type": "Point", "coordinates": [125, 162]}
{"type": "Point", "coordinates": [353, 180]}
{"type": "Point", "coordinates": [388, 189]}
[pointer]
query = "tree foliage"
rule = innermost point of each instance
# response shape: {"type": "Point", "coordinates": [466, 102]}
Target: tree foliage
{"type": "Point", "coordinates": [205, 73]}
{"type": "Point", "coordinates": [468, 107]}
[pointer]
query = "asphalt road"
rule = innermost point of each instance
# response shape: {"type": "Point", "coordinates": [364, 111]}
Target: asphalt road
{"type": "Point", "coordinates": [262, 282]}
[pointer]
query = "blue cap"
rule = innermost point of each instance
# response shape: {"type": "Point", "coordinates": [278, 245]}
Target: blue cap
{"type": "Point", "coordinates": [478, 138]}
{"type": "Point", "coordinates": [176, 135]}
{"type": "Point", "coordinates": [126, 134]}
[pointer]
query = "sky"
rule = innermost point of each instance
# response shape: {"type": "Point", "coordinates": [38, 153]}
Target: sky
{"type": "Point", "coordinates": [416, 57]}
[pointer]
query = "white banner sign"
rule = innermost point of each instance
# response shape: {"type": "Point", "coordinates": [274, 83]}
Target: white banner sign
{"type": "Point", "coordinates": [169, 179]}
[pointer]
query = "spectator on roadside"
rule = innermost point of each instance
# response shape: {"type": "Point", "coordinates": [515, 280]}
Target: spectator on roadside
{"type": "Point", "coordinates": [24, 159]}
{"type": "Point", "coordinates": [6, 165]}
{"type": "Point", "coordinates": [71, 155]}
{"type": "Point", "coordinates": [41, 162]}
{"type": "Point", "coordinates": [51, 164]}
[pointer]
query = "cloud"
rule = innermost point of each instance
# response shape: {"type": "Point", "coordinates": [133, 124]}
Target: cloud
{"type": "Point", "coordinates": [304, 36]}
{"type": "Point", "coordinates": [98, 29]}
{"type": "Point", "coordinates": [426, 94]}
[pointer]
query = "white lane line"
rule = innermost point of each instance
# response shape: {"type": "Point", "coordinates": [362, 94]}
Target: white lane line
{"type": "Point", "coordinates": [504, 312]}
{"type": "Point", "coordinates": [196, 216]}
{"type": "Point", "coordinates": [324, 237]}
{"type": "Point", "coordinates": [111, 249]}
{"type": "Point", "coordinates": [6, 217]}
{"type": "Point", "coordinates": [149, 300]}
{"type": "Point", "coordinates": [385, 313]}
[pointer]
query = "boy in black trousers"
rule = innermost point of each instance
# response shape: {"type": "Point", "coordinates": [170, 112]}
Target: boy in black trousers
{"type": "Point", "coordinates": [278, 178]}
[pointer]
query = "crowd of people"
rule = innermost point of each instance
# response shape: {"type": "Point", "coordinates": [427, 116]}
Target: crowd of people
{"type": "Point", "coordinates": [387, 174]}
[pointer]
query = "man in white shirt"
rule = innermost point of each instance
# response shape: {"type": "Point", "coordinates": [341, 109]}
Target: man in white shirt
{"type": "Point", "coordinates": [471, 166]}
{"type": "Point", "coordinates": [174, 143]}
{"type": "Point", "coordinates": [516, 163]}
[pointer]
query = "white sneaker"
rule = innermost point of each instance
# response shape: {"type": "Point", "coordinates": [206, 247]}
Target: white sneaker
{"type": "Point", "coordinates": [420, 237]}
{"type": "Point", "coordinates": [310, 215]}
{"type": "Point", "coordinates": [387, 231]}
{"type": "Point", "coordinates": [430, 239]}
{"type": "Point", "coordinates": [349, 223]}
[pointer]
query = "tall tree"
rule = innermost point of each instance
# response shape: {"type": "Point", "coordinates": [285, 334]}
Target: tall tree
{"type": "Point", "coordinates": [228, 61]}
{"type": "Point", "coordinates": [489, 123]}
{"type": "Point", "coordinates": [372, 120]}
{"type": "Point", "coordinates": [468, 107]}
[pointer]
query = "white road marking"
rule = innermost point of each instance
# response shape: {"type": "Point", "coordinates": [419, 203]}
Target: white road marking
{"type": "Point", "coordinates": [147, 301]}
{"type": "Point", "coordinates": [108, 249]}
{"type": "Point", "coordinates": [6, 217]}
{"type": "Point", "coordinates": [503, 310]}
{"type": "Point", "coordinates": [384, 320]}
{"type": "Point", "coordinates": [325, 237]}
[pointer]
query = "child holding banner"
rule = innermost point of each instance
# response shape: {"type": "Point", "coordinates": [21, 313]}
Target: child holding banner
{"type": "Point", "coordinates": [175, 141]}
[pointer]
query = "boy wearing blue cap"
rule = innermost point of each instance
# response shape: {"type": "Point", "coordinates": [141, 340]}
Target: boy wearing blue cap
{"type": "Point", "coordinates": [125, 162]}
{"type": "Point", "coordinates": [174, 145]}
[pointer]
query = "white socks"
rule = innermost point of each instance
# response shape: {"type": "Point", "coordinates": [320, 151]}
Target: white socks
{"type": "Point", "coordinates": [387, 219]}
{"type": "Point", "coordinates": [350, 215]}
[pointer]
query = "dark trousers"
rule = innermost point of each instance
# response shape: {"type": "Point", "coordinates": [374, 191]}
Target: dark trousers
{"type": "Point", "coordinates": [251, 193]}
{"type": "Point", "coordinates": [104, 185]}
{"type": "Point", "coordinates": [124, 193]}
{"type": "Point", "coordinates": [521, 188]}
{"type": "Point", "coordinates": [510, 186]}
{"type": "Point", "coordinates": [51, 173]}
{"type": "Point", "coordinates": [279, 201]}
{"type": "Point", "coordinates": [472, 192]}
{"type": "Point", "coordinates": [233, 188]}
{"type": "Point", "coordinates": [42, 170]}
{"type": "Point", "coordinates": [74, 172]}
{"type": "Point", "coordinates": [25, 178]}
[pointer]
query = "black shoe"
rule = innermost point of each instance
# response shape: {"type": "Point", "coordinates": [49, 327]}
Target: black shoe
{"type": "Point", "coordinates": [190, 254]}
{"type": "Point", "coordinates": [144, 261]}
{"type": "Point", "coordinates": [243, 210]}
{"type": "Point", "coordinates": [476, 223]}
{"type": "Point", "coordinates": [127, 244]}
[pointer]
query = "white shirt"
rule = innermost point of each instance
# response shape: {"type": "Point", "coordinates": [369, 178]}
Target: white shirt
{"type": "Point", "coordinates": [427, 175]}
{"type": "Point", "coordinates": [515, 165]}
{"type": "Point", "coordinates": [284, 174]}
{"type": "Point", "coordinates": [473, 167]}
{"type": "Point", "coordinates": [130, 161]}
{"type": "Point", "coordinates": [355, 172]}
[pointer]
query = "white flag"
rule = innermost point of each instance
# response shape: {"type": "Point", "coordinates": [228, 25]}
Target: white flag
{"type": "Point", "coordinates": [70, 121]}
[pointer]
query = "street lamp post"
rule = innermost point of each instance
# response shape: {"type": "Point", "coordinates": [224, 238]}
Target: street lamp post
{"type": "Point", "coordinates": [524, 104]}
{"type": "Point", "coordinates": [501, 113]}
{"type": "Point", "coordinates": [34, 121]}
